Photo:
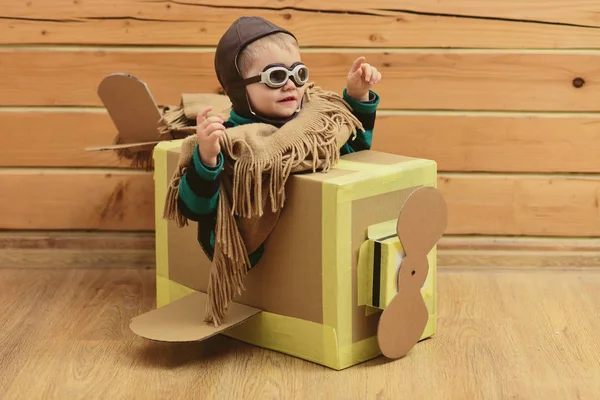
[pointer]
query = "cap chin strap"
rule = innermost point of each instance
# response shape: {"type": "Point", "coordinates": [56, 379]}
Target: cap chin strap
{"type": "Point", "coordinates": [273, 120]}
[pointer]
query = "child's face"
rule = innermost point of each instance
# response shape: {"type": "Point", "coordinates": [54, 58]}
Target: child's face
{"type": "Point", "coordinates": [281, 102]}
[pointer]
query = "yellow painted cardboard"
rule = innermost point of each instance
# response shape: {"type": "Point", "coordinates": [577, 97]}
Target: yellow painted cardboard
{"type": "Point", "coordinates": [333, 342]}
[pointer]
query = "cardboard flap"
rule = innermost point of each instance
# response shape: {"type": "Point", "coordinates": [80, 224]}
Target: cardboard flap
{"type": "Point", "coordinates": [379, 261]}
{"type": "Point", "coordinates": [132, 109]}
{"type": "Point", "coordinates": [383, 230]}
{"type": "Point", "coordinates": [183, 320]}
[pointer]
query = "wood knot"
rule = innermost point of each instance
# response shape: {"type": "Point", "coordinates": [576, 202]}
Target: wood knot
{"type": "Point", "coordinates": [376, 38]}
{"type": "Point", "coordinates": [287, 16]}
{"type": "Point", "coordinates": [578, 82]}
{"type": "Point", "coordinates": [386, 64]}
{"type": "Point", "coordinates": [168, 6]}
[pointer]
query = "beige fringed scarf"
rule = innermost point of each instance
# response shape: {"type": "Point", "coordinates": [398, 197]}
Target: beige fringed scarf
{"type": "Point", "coordinates": [259, 158]}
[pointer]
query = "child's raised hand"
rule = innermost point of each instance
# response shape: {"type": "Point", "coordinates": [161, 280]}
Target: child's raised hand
{"type": "Point", "coordinates": [361, 78]}
{"type": "Point", "coordinates": [208, 132]}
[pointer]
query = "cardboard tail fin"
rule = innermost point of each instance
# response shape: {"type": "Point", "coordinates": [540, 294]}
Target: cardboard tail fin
{"type": "Point", "coordinates": [141, 124]}
{"type": "Point", "coordinates": [135, 115]}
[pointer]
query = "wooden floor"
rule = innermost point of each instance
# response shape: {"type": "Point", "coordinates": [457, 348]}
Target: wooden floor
{"type": "Point", "coordinates": [520, 333]}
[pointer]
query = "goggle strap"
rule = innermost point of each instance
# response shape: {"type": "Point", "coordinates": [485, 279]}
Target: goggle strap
{"type": "Point", "coordinates": [245, 82]}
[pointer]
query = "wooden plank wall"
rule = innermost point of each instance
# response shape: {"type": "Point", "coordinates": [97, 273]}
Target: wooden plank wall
{"type": "Point", "coordinates": [504, 95]}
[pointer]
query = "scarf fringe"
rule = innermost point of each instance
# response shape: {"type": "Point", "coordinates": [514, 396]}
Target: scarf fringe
{"type": "Point", "coordinates": [254, 171]}
{"type": "Point", "coordinates": [319, 151]}
{"type": "Point", "coordinates": [138, 159]}
{"type": "Point", "coordinates": [171, 209]}
{"type": "Point", "coordinates": [173, 119]}
{"type": "Point", "coordinates": [230, 264]}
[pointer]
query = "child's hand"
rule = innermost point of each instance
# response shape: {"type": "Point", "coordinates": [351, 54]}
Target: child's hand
{"type": "Point", "coordinates": [361, 78]}
{"type": "Point", "coordinates": [208, 132]}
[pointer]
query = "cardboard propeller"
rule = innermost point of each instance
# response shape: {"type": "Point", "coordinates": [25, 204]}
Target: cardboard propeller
{"type": "Point", "coordinates": [421, 224]}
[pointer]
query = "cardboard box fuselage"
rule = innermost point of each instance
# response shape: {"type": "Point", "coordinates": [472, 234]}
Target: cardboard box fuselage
{"type": "Point", "coordinates": [307, 282]}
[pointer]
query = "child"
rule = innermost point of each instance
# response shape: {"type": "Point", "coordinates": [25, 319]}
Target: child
{"type": "Point", "coordinates": [267, 46]}
{"type": "Point", "coordinates": [279, 124]}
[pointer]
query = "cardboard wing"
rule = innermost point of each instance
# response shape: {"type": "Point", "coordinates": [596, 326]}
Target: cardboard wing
{"type": "Point", "coordinates": [182, 320]}
{"type": "Point", "coordinates": [136, 115]}
{"type": "Point", "coordinates": [132, 110]}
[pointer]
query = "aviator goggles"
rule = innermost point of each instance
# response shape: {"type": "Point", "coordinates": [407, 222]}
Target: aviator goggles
{"type": "Point", "coordinates": [276, 76]}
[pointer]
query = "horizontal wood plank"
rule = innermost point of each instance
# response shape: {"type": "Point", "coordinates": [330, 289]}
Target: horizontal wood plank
{"type": "Point", "coordinates": [463, 142]}
{"type": "Point", "coordinates": [494, 142]}
{"type": "Point", "coordinates": [89, 250]}
{"type": "Point", "coordinates": [81, 258]}
{"type": "Point", "coordinates": [582, 12]}
{"type": "Point", "coordinates": [522, 205]}
{"type": "Point", "coordinates": [145, 240]}
{"type": "Point", "coordinates": [478, 204]}
{"type": "Point", "coordinates": [486, 259]}
{"type": "Point", "coordinates": [76, 240]}
{"type": "Point", "coordinates": [382, 23]}
{"type": "Point", "coordinates": [419, 79]}
{"type": "Point", "coordinates": [510, 243]}
{"type": "Point", "coordinates": [56, 249]}
{"type": "Point", "coordinates": [94, 200]}
{"type": "Point", "coordinates": [56, 139]}
{"type": "Point", "coordinates": [474, 252]}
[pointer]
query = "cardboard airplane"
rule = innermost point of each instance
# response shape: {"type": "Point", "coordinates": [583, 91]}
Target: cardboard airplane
{"type": "Point", "coordinates": [399, 276]}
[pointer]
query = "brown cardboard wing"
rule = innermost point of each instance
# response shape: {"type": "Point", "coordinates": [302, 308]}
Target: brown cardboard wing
{"type": "Point", "coordinates": [132, 110]}
{"type": "Point", "coordinates": [183, 320]}
{"type": "Point", "coordinates": [137, 117]}
{"type": "Point", "coordinates": [121, 146]}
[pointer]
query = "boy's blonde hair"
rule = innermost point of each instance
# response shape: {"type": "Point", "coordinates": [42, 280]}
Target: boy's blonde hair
{"type": "Point", "coordinates": [252, 51]}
